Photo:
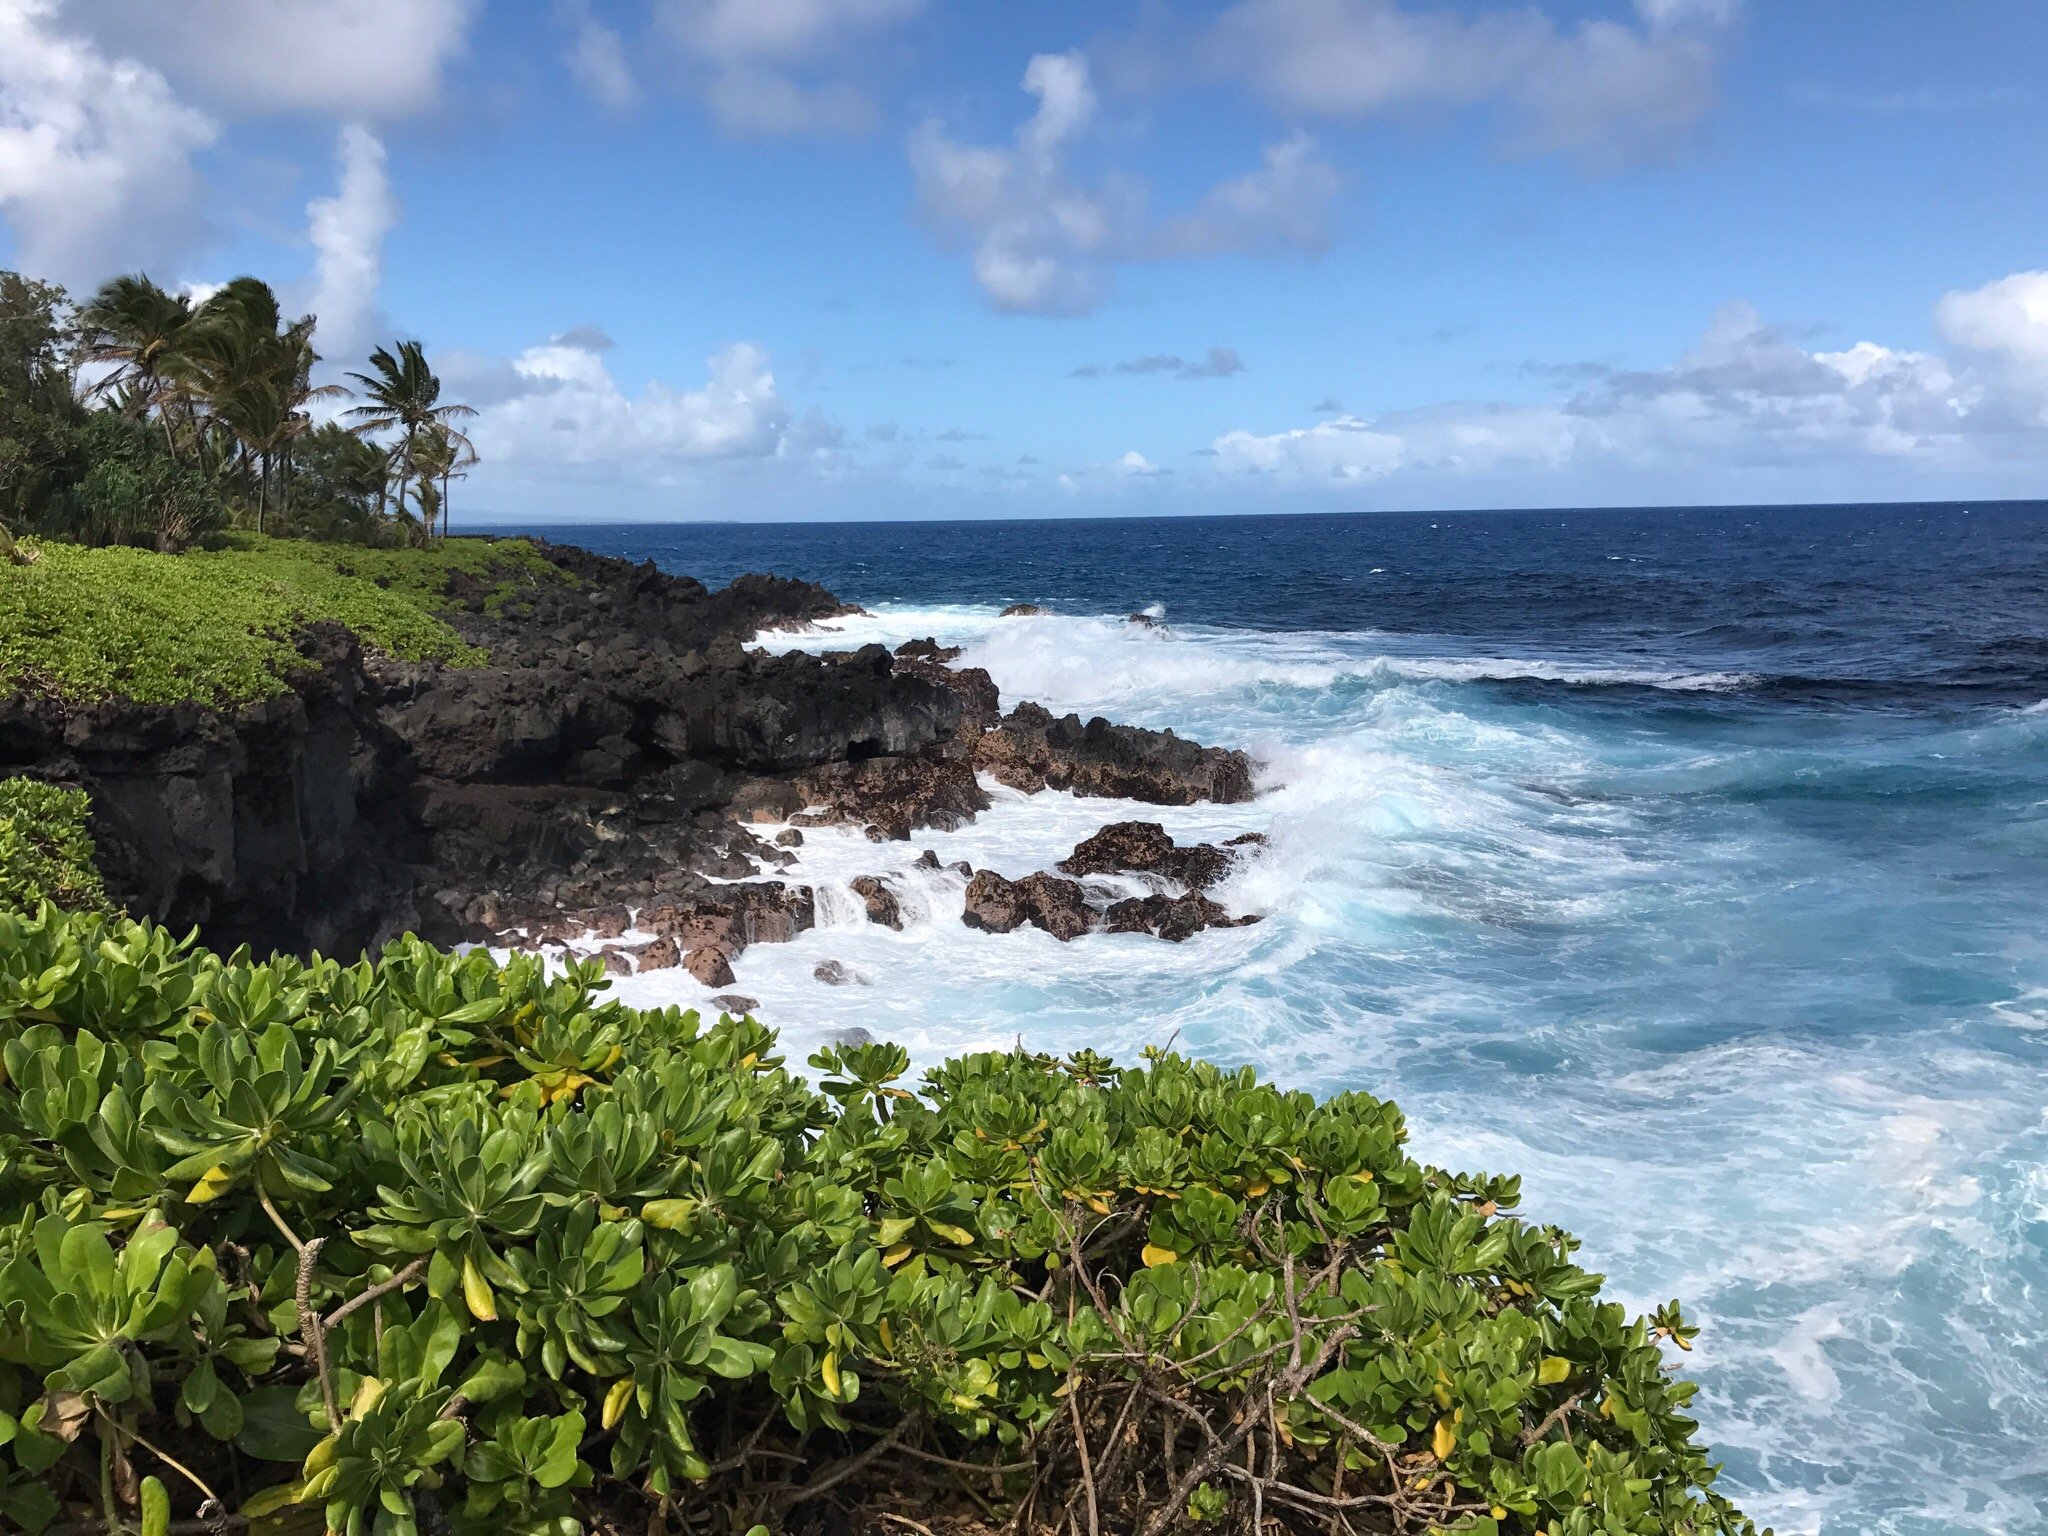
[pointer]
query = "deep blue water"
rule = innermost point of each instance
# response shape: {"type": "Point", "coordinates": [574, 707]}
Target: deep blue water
{"type": "Point", "coordinates": [1694, 864]}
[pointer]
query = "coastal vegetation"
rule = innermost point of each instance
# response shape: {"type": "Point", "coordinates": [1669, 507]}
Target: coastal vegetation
{"type": "Point", "coordinates": [219, 624]}
{"type": "Point", "coordinates": [153, 418]}
{"type": "Point", "coordinates": [431, 1241]}
{"type": "Point", "coordinates": [46, 851]}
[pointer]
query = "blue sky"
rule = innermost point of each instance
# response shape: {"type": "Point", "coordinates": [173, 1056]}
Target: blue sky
{"type": "Point", "coordinates": [795, 258]}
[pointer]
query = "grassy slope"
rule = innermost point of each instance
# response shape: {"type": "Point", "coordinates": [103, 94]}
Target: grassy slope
{"type": "Point", "coordinates": [216, 625]}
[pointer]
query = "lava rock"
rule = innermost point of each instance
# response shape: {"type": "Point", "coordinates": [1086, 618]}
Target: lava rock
{"type": "Point", "coordinates": [733, 1003]}
{"type": "Point", "coordinates": [1174, 918]}
{"type": "Point", "coordinates": [710, 964]}
{"type": "Point", "coordinates": [1023, 611]}
{"type": "Point", "coordinates": [997, 905]}
{"type": "Point", "coordinates": [1143, 847]}
{"type": "Point", "coordinates": [896, 795]}
{"type": "Point", "coordinates": [836, 973]}
{"type": "Point", "coordinates": [882, 905]}
{"type": "Point", "coordinates": [1031, 749]}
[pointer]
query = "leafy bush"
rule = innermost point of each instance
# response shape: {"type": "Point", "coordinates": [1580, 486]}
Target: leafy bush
{"type": "Point", "coordinates": [216, 625]}
{"type": "Point", "coordinates": [130, 490]}
{"type": "Point", "coordinates": [46, 853]}
{"type": "Point", "coordinates": [431, 1233]}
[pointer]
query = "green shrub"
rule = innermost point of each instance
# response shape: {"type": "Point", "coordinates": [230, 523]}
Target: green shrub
{"type": "Point", "coordinates": [46, 853]}
{"type": "Point", "coordinates": [217, 625]}
{"type": "Point", "coordinates": [357, 1241]}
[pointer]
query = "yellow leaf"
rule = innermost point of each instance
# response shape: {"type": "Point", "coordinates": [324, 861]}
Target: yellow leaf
{"type": "Point", "coordinates": [321, 1457]}
{"type": "Point", "coordinates": [830, 1371]}
{"type": "Point", "coordinates": [271, 1500]}
{"type": "Point", "coordinates": [888, 1338]}
{"type": "Point", "coordinates": [615, 1401]}
{"type": "Point", "coordinates": [667, 1214]}
{"type": "Point", "coordinates": [1154, 1256]}
{"type": "Point", "coordinates": [476, 1291]}
{"type": "Point", "coordinates": [369, 1392]}
{"type": "Point", "coordinates": [1444, 1441]}
{"type": "Point", "coordinates": [896, 1255]}
{"type": "Point", "coordinates": [1256, 1190]}
{"type": "Point", "coordinates": [1554, 1369]}
{"type": "Point", "coordinates": [213, 1183]}
{"type": "Point", "coordinates": [1682, 1342]}
{"type": "Point", "coordinates": [952, 1234]}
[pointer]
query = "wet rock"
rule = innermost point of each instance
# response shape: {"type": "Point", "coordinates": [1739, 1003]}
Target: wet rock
{"type": "Point", "coordinates": [1174, 918]}
{"type": "Point", "coordinates": [608, 922]}
{"type": "Point", "coordinates": [1023, 611]}
{"type": "Point", "coordinates": [981, 705]}
{"type": "Point", "coordinates": [854, 1035]}
{"type": "Point", "coordinates": [1143, 621]}
{"type": "Point", "coordinates": [661, 955]}
{"type": "Point", "coordinates": [926, 649]}
{"type": "Point", "coordinates": [881, 901]}
{"type": "Point", "coordinates": [789, 837]}
{"type": "Point", "coordinates": [1032, 750]}
{"type": "Point", "coordinates": [896, 795]}
{"type": "Point", "coordinates": [997, 905]}
{"type": "Point", "coordinates": [836, 973]}
{"type": "Point", "coordinates": [1143, 847]}
{"type": "Point", "coordinates": [735, 1004]}
{"type": "Point", "coordinates": [929, 859]}
{"type": "Point", "coordinates": [710, 964]}
{"type": "Point", "coordinates": [616, 961]}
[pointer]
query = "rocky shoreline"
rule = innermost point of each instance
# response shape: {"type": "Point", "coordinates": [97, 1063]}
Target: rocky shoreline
{"type": "Point", "coordinates": [624, 764]}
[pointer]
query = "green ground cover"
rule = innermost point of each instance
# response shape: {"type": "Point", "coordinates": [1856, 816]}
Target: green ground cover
{"type": "Point", "coordinates": [433, 1242]}
{"type": "Point", "coordinates": [46, 851]}
{"type": "Point", "coordinates": [217, 625]}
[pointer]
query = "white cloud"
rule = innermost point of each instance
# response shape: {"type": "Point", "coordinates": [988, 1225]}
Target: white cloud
{"type": "Point", "coordinates": [358, 59]}
{"type": "Point", "coordinates": [1746, 398]}
{"type": "Point", "coordinates": [96, 153]}
{"type": "Point", "coordinates": [1283, 205]}
{"type": "Point", "coordinates": [1610, 89]}
{"type": "Point", "coordinates": [2007, 318]}
{"type": "Point", "coordinates": [557, 403]}
{"type": "Point", "coordinates": [1044, 242]}
{"type": "Point", "coordinates": [778, 67]}
{"type": "Point", "coordinates": [347, 231]}
{"type": "Point", "coordinates": [597, 61]}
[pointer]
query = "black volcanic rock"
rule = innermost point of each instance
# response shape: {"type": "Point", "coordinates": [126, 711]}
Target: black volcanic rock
{"type": "Point", "coordinates": [614, 752]}
{"type": "Point", "coordinates": [1142, 847]}
{"type": "Point", "coordinates": [1031, 749]}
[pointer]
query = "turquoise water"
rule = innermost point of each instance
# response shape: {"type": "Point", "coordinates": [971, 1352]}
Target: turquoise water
{"type": "Point", "coordinates": [1692, 865]}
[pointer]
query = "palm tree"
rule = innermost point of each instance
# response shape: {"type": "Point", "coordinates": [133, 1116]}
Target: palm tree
{"type": "Point", "coordinates": [138, 327]}
{"type": "Point", "coordinates": [442, 454]}
{"type": "Point", "coordinates": [255, 378]}
{"type": "Point", "coordinates": [403, 393]}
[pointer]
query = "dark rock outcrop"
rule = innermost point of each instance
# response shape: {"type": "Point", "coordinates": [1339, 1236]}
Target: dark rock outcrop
{"type": "Point", "coordinates": [1142, 847]}
{"type": "Point", "coordinates": [997, 905]}
{"type": "Point", "coordinates": [893, 796]}
{"type": "Point", "coordinates": [1023, 611]}
{"type": "Point", "coordinates": [279, 826]}
{"type": "Point", "coordinates": [880, 899]}
{"type": "Point", "coordinates": [615, 752]}
{"type": "Point", "coordinates": [1174, 918]}
{"type": "Point", "coordinates": [1032, 749]}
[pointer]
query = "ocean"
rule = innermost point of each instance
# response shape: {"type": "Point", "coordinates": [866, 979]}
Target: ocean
{"type": "Point", "coordinates": [1692, 864]}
